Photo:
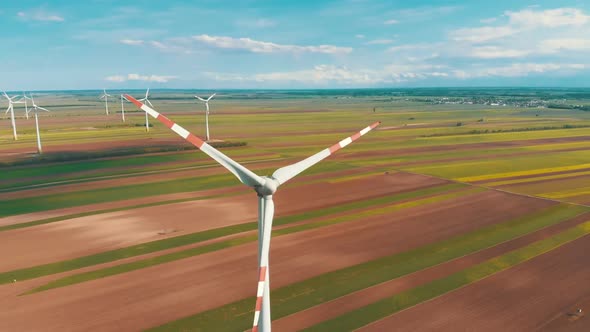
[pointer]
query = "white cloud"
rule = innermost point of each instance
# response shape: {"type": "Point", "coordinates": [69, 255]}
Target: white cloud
{"type": "Point", "coordinates": [494, 52]}
{"type": "Point", "coordinates": [425, 12]}
{"type": "Point", "coordinates": [39, 15]}
{"type": "Point", "coordinates": [548, 18]}
{"type": "Point", "coordinates": [116, 78]}
{"type": "Point", "coordinates": [158, 45]}
{"type": "Point", "coordinates": [379, 42]}
{"type": "Point", "coordinates": [360, 36]}
{"type": "Point", "coordinates": [390, 22]}
{"type": "Point", "coordinates": [256, 46]}
{"type": "Point", "coordinates": [340, 75]}
{"type": "Point", "coordinates": [573, 44]}
{"type": "Point", "coordinates": [321, 74]}
{"type": "Point", "coordinates": [522, 21]}
{"type": "Point", "coordinates": [412, 47]}
{"type": "Point", "coordinates": [172, 48]}
{"type": "Point", "coordinates": [138, 77]}
{"type": "Point", "coordinates": [483, 34]}
{"type": "Point", "coordinates": [133, 42]}
{"type": "Point", "coordinates": [520, 69]}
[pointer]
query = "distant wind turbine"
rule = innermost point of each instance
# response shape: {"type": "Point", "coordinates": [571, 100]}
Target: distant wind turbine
{"type": "Point", "coordinates": [147, 101]}
{"type": "Point", "coordinates": [36, 109]}
{"type": "Point", "coordinates": [206, 101]}
{"type": "Point", "coordinates": [122, 108]}
{"type": "Point", "coordinates": [105, 96]}
{"type": "Point", "coordinates": [11, 110]}
{"type": "Point", "coordinates": [24, 99]}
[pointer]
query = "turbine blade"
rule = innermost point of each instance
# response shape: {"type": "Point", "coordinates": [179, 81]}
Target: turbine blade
{"type": "Point", "coordinates": [44, 109]}
{"type": "Point", "coordinates": [149, 102]}
{"type": "Point", "coordinates": [286, 173]}
{"type": "Point", "coordinates": [199, 98]}
{"type": "Point", "coordinates": [246, 176]}
{"type": "Point", "coordinates": [263, 276]}
{"type": "Point", "coordinates": [211, 97]}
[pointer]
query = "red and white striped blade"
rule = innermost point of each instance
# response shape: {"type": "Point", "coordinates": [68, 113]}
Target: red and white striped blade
{"type": "Point", "coordinates": [263, 275]}
{"type": "Point", "coordinates": [246, 176]}
{"type": "Point", "coordinates": [286, 173]}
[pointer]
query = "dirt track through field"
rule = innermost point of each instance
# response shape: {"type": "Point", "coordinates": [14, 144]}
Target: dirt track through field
{"type": "Point", "coordinates": [522, 298]}
{"type": "Point", "coordinates": [159, 294]}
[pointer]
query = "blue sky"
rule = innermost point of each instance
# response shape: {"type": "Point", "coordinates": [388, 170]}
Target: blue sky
{"type": "Point", "coordinates": [59, 44]}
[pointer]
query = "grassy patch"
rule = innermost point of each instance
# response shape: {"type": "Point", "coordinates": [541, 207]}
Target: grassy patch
{"type": "Point", "coordinates": [508, 166]}
{"type": "Point", "coordinates": [71, 199]}
{"type": "Point", "coordinates": [90, 155]}
{"type": "Point", "coordinates": [383, 308]}
{"type": "Point", "coordinates": [202, 236]}
{"type": "Point", "coordinates": [237, 316]}
{"type": "Point", "coordinates": [536, 179]}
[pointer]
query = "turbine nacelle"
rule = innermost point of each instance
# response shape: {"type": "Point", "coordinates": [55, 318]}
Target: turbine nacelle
{"type": "Point", "coordinates": [269, 187]}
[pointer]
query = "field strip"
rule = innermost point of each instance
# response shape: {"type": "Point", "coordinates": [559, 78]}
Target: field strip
{"type": "Point", "coordinates": [358, 177]}
{"type": "Point", "coordinates": [374, 312]}
{"type": "Point", "coordinates": [78, 198]}
{"type": "Point", "coordinates": [125, 174]}
{"type": "Point", "coordinates": [566, 194]}
{"type": "Point", "coordinates": [299, 296]}
{"type": "Point", "coordinates": [111, 194]}
{"type": "Point", "coordinates": [95, 212]}
{"type": "Point", "coordinates": [342, 305]}
{"type": "Point", "coordinates": [78, 278]}
{"type": "Point", "coordinates": [535, 179]}
{"type": "Point", "coordinates": [42, 171]}
{"type": "Point", "coordinates": [497, 189]}
{"type": "Point", "coordinates": [522, 173]}
{"type": "Point", "coordinates": [177, 241]}
{"type": "Point", "coordinates": [30, 220]}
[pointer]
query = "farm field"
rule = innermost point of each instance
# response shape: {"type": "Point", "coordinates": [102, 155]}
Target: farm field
{"type": "Point", "coordinates": [445, 217]}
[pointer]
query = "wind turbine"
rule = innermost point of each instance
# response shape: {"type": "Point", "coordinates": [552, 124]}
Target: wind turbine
{"type": "Point", "coordinates": [122, 108]}
{"type": "Point", "coordinates": [36, 109]}
{"type": "Point", "coordinates": [145, 99]}
{"type": "Point", "coordinates": [11, 110]}
{"type": "Point", "coordinates": [207, 111]}
{"type": "Point", "coordinates": [105, 96]}
{"type": "Point", "coordinates": [264, 187]}
{"type": "Point", "coordinates": [24, 98]}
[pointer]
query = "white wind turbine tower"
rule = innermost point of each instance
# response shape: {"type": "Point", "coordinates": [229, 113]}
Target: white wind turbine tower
{"type": "Point", "coordinates": [105, 96]}
{"type": "Point", "coordinates": [206, 111]}
{"type": "Point", "coordinates": [36, 109]}
{"type": "Point", "coordinates": [24, 99]}
{"type": "Point", "coordinates": [11, 110]}
{"type": "Point", "coordinates": [147, 101]}
{"type": "Point", "coordinates": [122, 108]}
{"type": "Point", "coordinates": [265, 187]}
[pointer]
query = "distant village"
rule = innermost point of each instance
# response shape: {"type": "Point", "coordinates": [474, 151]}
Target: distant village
{"type": "Point", "coordinates": [508, 102]}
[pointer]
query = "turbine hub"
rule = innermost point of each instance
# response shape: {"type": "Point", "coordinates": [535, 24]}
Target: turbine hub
{"type": "Point", "coordinates": [268, 188]}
